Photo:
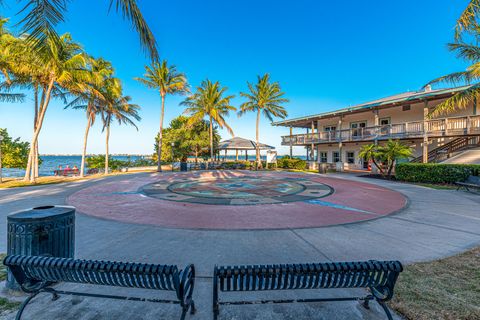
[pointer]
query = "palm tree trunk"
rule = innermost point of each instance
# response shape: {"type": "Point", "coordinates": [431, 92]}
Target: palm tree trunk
{"type": "Point", "coordinates": [28, 173]}
{"type": "Point", "coordinates": [106, 148]}
{"type": "Point", "coordinates": [211, 139]}
{"type": "Point", "coordinates": [35, 119]}
{"type": "Point", "coordinates": [84, 152]}
{"type": "Point", "coordinates": [160, 135]}
{"type": "Point", "coordinates": [259, 162]}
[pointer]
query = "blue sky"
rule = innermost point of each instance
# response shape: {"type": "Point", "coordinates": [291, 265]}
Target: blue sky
{"type": "Point", "coordinates": [325, 54]}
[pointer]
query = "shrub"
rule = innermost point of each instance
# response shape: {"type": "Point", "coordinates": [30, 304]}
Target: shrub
{"type": "Point", "coordinates": [434, 172]}
{"type": "Point", "coordinates": [292, 163]}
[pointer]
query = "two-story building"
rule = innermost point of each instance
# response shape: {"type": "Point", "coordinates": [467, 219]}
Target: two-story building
{"type": "Point", "coordinates": [336, 137]}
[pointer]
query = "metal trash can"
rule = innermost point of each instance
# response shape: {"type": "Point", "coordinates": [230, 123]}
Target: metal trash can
{"type": "Point", "coordinates": [47, 230]}
{"type": "Point", "coordinates": [183, 166]}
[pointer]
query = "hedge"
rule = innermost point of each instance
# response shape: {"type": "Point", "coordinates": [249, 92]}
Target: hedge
{"type": "Point", "coordinates": [292, 163]}
{"type": "Point", "coordinates": [435, 172]}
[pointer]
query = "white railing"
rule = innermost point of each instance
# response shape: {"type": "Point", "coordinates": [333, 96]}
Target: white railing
{"type": "Point", "coordinates": [437, 127]}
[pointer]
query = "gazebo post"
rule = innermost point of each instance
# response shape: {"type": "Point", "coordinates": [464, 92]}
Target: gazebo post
{"type": "Point", "coordinates": [236, 154]}
{"type": "Point", "coordinates": [225, 157]}
{"type": "Point", "coordinates": [246, 155]}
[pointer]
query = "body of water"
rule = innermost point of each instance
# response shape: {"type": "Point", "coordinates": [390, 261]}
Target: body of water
{"type": "Point", "coordinates": [51, 163]}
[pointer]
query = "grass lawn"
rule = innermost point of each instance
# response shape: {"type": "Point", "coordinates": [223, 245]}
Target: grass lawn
{"type": "Point", "coordinates": [5, 305]}
{"type": "Point", "coordinates": [446, 289]}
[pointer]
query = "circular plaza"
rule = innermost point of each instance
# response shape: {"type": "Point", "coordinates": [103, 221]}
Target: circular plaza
{"type": "Point", "coordinates": [236, 200]}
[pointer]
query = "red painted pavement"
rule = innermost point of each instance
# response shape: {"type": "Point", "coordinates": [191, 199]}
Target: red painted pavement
{"type": "Point", "coordinates": [112, 200]}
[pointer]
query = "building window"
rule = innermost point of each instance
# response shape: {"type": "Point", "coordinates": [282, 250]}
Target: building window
{"type": "Point", "coordinates": [350, 157]}
{"type": "Point", "coordinates": [336, 156]}
{"type": "Point", "coordinates": [406, 108]}
{"type": "Point", "coordinates": [330, 128]}
{"type": "Point", "coordinates": [384, 121]}
{"type": "Point", "coordinates": [323, 157]}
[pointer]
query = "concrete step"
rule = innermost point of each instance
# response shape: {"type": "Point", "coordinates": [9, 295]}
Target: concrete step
{"type": "Point", "coordinates": [471, 156]}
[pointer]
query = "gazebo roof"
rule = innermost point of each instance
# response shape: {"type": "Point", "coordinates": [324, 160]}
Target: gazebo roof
{"type": "Point", "coordinates": [238, 143]}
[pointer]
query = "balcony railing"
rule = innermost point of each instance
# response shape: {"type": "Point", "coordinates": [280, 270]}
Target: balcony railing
{"type": "Point", "coordinates": [455, 126]}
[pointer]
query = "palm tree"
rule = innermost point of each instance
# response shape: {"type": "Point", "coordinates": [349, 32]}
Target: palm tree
{"type": "Point", "coordinates": [167, 80]}
{"type": "Point", "coordinates": [471, 76]}
{"type": "Point", "coordinates": [90, 98]}
{"type": "Point", "coordinates": [370, 152]}
{"type": "Point", "coordinates": [209, 101]}
{"type": "Point", "coordinates": [62, 64]}
{"type": "Point", "coordinates": [393, 151]}
{"type": "Point", "coordinates": [117, 107]}
{"type": "Point", "coordinates": [468, 19]}
{"type": "Point", "coordinates": [40, 18]}
{"type": "Point", "coordinates": [267, 98]}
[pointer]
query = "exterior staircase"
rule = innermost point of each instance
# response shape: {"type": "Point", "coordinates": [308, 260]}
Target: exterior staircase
{"type": "Point", "coordinates": [446, 151]}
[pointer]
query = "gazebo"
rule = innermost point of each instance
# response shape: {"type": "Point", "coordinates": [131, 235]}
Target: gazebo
{"type": "Point", "coordinates": [238, 143]}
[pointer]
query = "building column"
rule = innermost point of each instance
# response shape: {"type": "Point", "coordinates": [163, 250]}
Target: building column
{"type": "Point", "coordinates": [425, 133]}
{"type": "Point", "coordinates": [340, 145]}
{"type": "Point", "coordinates": [376, 124]}
{"type": "Point", "coordinates": [475, 106]}
{"type": "Point", "coordinates": [291, 143]}
{"type": "Point", "coordinates": [312, 146]}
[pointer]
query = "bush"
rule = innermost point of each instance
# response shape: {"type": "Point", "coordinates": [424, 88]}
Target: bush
{"type": "Point", "coordinates": [434, 172]}
{"type": "Point", "coordinates": [292, 163]}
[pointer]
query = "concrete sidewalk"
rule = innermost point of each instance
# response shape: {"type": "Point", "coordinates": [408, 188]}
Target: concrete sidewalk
{"type": "Point", "coordinates": [437, 223]}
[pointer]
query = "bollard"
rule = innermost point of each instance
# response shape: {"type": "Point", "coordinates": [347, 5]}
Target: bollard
{"type": "Point", "coordinates": [47, 230]}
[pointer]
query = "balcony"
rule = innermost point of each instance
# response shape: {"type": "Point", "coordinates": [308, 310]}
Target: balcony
{"type": "Point", "coordinates": [446, 127]}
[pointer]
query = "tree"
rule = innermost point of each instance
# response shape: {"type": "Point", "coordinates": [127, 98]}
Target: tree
{"type": "Point", "coordinates": [385, 155]}
{"type": "Point", "coordinates": [209, 101]}
{"type": "Point", "coordinates": [370, 152]}
{"type": "Point", "coordinates": [167, 80]}
{"type": "Point", "coordinates": [14, 151]}
{"type": "Point", "coordinates": [468, 20]}
{"type": "Point", "coordinates": [40, 18]}
{"type": "Point", "coordinates": [89, 98]}
{"type": "Point", "coordinates": [116, 107]}
{"type": "Point", "coordinates": [188, 139]}
{"type": "Point", "coordinates": [267, 98]}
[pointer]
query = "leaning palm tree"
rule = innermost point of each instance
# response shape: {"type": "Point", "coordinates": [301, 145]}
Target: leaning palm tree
{"type": "Point", "coordinates": [209, 101]}
{"type": "Point", "coordinates": [40, 18]}
{"type": "Point", "coordinates": [167, 80]}
{"type": "Point", "coordinates": [117, 107]}
{"type": "Point", "coordinates": [90, 97]}
{"type": "Point", "coordinates": [63, 65]}
{"type": "Point", "coordinates": [267, 98]}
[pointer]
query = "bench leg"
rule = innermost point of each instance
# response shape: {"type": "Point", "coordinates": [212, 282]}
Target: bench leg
{"type": "Point", "coordinates": [24, 304]}
{"type": "Point", "coordinates": [385, 308]}
{"type": "Point", "coordinates": [192, 307]}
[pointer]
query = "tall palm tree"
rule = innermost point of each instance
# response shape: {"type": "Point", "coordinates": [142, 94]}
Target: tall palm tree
{"type": "Point", "coordinates": [40, 18]}
{"type": "Point", "coordinates": [117, 107]}
{"type": "Point", "coordinates": [90, 98]}
{"type": "Point", "coordinates": [167, 80]}
{"type": "Point", "coordinates": [209, 101]}
{"type": "Point", "coordinates": [263, 97]}
{"type": "Point", "coordinates": [63, 65]}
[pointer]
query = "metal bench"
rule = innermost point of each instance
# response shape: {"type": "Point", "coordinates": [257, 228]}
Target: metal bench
{"type": "Point", "coordinates": [471, 182]}
{"type": "Point", "coordinates": [378, 276]}
{"type": "Point", "coordinates": [38, 274]}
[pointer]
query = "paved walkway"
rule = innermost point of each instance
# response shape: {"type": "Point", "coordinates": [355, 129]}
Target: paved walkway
{"type": "Point", "coordinates": [237, 200]}
{"type": "Point", "coordinates": [436, 223]}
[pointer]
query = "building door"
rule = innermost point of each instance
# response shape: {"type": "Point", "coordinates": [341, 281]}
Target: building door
{"type": "Point", "coordinates": [358, 128]}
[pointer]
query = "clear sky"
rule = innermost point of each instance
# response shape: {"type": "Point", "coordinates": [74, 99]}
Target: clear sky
{"type": "Point", "coordinates": [325, 54]}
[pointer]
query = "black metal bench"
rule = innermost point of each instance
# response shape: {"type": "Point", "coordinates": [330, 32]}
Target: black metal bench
{"type": "Point", "coordinates": [378, 276]}
{"type": "Point", "coordinates": [38, 274]}
{"type": "Point", "coordinates": [471, 182]}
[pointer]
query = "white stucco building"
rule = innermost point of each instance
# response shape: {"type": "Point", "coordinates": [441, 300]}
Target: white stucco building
{"type": "Point", "coordinates": [336, 137]}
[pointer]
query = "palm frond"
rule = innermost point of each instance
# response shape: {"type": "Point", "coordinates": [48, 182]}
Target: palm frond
{"type": "Point", "coordinates": [468, 19]}
{"type": "Point", "coordinates": [460, 100]}
{"type": "Point", "coordinates": [131, 11]}
{"type": "Point", "coordinates": [12, 97]}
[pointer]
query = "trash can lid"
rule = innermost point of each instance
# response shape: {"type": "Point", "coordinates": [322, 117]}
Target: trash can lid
{"type": "Point", "coordinates": [41, 213]}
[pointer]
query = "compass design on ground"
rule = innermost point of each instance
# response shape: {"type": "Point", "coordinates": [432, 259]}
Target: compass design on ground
{"type": "Point", "coordinates": [247, 190]}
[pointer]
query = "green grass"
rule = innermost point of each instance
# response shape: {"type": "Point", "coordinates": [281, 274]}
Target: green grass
{"type": "Point", "coordinates": [438, 186]}
{"type": "Point", "coordinates": [447, 289]}
{"type": "Point", "coordinates": [5, 305]}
